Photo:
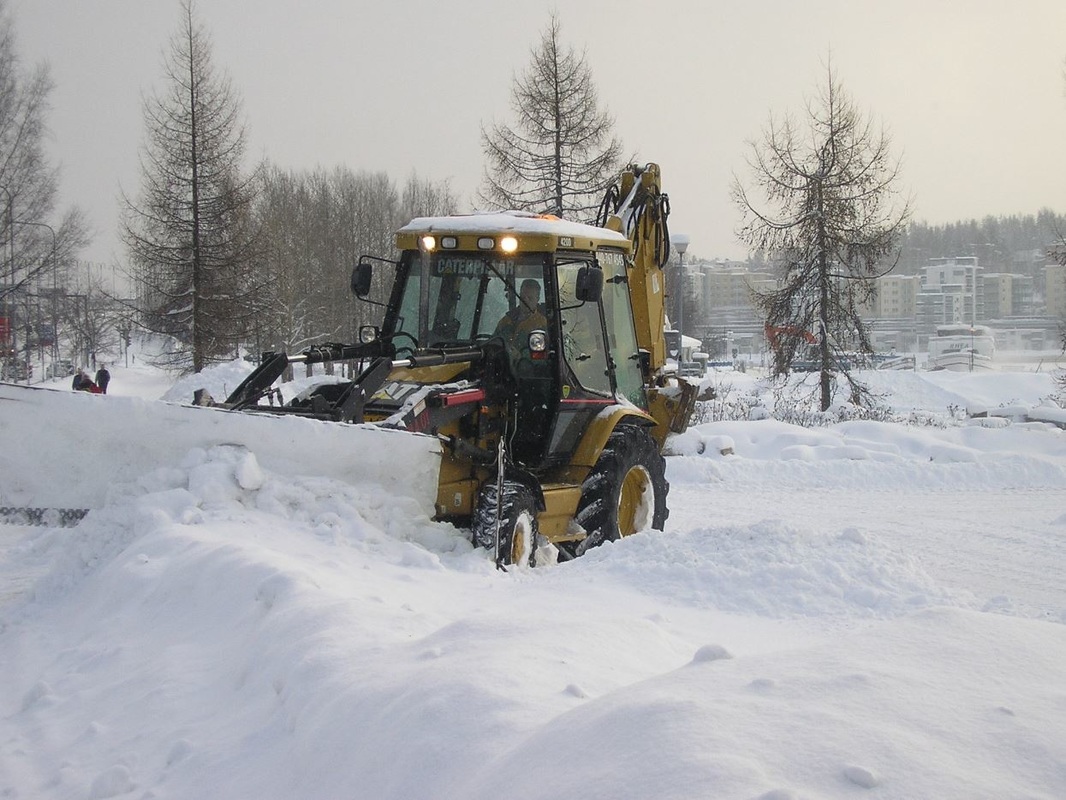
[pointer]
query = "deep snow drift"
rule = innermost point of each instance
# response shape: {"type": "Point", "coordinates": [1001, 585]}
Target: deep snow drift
{"type": "Point", "coordinates": [863, 609]}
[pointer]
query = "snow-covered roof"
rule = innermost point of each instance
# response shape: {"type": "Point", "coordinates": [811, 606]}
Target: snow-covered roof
{"type": "Point", "coordinates": [690, 341]}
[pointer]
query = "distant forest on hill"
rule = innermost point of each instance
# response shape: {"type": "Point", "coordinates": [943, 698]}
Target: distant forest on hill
{"type": "Point", "coordinates": [1009, 243]}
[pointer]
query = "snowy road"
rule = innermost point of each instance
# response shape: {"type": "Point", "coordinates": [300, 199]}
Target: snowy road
{"type": "Point", "coordinates": [1007, 548]}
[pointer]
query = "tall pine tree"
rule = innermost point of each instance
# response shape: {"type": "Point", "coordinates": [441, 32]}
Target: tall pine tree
{"type": "Point", "coordinates": [560, 157]}
{"type": "Point", "coordinates": [189, 234]}
{"type": "Point", "coordinates": [822, 208]}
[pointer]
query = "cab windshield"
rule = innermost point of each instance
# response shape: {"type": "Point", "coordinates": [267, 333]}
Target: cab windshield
{"type": "Point", "coordinates": [469, 296]}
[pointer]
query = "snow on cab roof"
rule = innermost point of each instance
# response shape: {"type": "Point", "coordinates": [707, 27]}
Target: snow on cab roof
{"type": "Point", "coordinates": [510, 222]}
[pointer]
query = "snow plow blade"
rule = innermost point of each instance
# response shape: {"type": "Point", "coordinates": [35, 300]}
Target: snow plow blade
{"type": "Point", "coordinates": [48, 468]}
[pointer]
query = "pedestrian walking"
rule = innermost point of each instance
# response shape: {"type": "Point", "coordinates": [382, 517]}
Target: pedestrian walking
{"type": "Point", "coordinates": [103, 378]}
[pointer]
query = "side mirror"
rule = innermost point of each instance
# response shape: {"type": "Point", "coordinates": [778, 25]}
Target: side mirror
{"type": "Point", "coordinates": [589, 288]}
{"type": "Point", "coordinates": [361, 275]}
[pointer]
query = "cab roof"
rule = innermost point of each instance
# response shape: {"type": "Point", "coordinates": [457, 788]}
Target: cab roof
{"type": "Point", "coordinates": [534, 231]}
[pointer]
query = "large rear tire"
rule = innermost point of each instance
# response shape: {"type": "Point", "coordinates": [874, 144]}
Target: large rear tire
{"type": "Point", "coordinates": [625, 492]}
{"type": "Point", "coordinates": [518, 523]}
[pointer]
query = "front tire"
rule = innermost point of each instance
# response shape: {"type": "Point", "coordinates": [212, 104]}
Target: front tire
{"type": "Point", "coordinates": [625, 492]}
{"type": "Point", "coordinates": [518, 523]}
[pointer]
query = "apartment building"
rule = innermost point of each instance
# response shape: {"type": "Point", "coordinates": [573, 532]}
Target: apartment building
{"type": "Point", "coordinates": [730, 287]}
{"type": "Point", "coordinates": [905, 310]}
{"type": "Point", "coordinates": [1055, 290]}
{"type": "Point", "coordinates": [896, 297]}
{"type": "Point", "coordinates": [958, 279]}
{"type": "Point", "coordinates": [1007, 295]}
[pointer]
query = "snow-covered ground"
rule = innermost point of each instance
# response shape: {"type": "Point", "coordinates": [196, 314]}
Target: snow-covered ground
{"type": "Point", "coordinates": [867, 609]}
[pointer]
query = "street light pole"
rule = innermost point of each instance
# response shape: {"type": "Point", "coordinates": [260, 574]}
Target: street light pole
{"type": "Point", "coordinates": [680, 242]}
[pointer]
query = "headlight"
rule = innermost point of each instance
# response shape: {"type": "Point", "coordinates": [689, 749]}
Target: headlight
{"type": "Point", "coordinates": [429, 243]}
{"type": "Point", "coordinates": [538, 343]}
{"type": "Point", "coordinates": [508, 244]}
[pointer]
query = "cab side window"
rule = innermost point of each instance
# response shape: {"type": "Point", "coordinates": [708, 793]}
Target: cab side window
{"type": "Point", "coordinates": [623, 336]}
{"type": "Point", "coordinates": [584, 347]}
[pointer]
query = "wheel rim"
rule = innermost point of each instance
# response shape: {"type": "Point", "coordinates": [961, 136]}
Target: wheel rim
{"type": "Point", "coordinates": [635, 501]}
{"type": "Point", "coordinates": [522, 540]}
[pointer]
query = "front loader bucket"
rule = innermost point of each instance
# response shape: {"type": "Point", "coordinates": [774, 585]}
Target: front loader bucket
{"type": "Point", "coordinates": [69, 450]}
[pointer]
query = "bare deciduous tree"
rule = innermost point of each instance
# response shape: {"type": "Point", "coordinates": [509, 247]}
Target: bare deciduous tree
{"type": "Point", "coordinates": [189, 235]}
{"type": "Point", "coordinates": [824, 206]}
{"type": "Point", "coordinates": [91, 320]}
{"type": "Point", "coordinates": [1059, 255]}
{"type": "Point", "coordinates": [425, 198]}
{"type": "Point", "coordinates": [314, 226]}
{"type": "Point", "coordinates": [561, 155]}
{"type": "Point", "coordinates": [33, 250]}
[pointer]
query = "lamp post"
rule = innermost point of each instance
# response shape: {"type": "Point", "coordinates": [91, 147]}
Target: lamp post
{"type": "Point", "coordinates": [680, 242]}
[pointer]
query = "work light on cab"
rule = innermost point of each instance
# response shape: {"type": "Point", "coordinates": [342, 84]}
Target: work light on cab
{"type": "Point", "coordinates": [538, 344]}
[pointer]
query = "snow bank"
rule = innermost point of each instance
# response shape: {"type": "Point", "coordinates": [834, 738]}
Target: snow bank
{"type": "Point", "coordinates": [866, 608]}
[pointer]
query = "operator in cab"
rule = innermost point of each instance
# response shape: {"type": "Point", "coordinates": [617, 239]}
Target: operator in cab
{"type": "Point", "coordinates": [527, 316]}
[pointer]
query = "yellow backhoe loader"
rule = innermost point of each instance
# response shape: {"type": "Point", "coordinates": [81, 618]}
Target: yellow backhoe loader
{"type": "Point", "coordinates": [532, 349]}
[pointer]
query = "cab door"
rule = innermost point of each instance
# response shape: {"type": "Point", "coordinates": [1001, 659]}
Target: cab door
{"type": "Point", "coordinates": [586, 378]}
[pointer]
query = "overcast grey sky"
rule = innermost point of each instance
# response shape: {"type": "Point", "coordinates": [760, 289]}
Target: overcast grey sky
{"type": "Point", "coordinates": [972, 91]}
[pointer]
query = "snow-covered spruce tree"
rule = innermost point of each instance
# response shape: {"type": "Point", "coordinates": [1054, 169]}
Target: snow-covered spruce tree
{"type": "Point", "coordinates": [561, 155]}
{"type": "Point", "coordinates": [823, 207]}
{"type": "Point", "coordinates": [189, 234]}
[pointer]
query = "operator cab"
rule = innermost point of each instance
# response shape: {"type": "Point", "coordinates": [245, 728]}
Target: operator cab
{"type": "Point", "coordinates": [452, 292]}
